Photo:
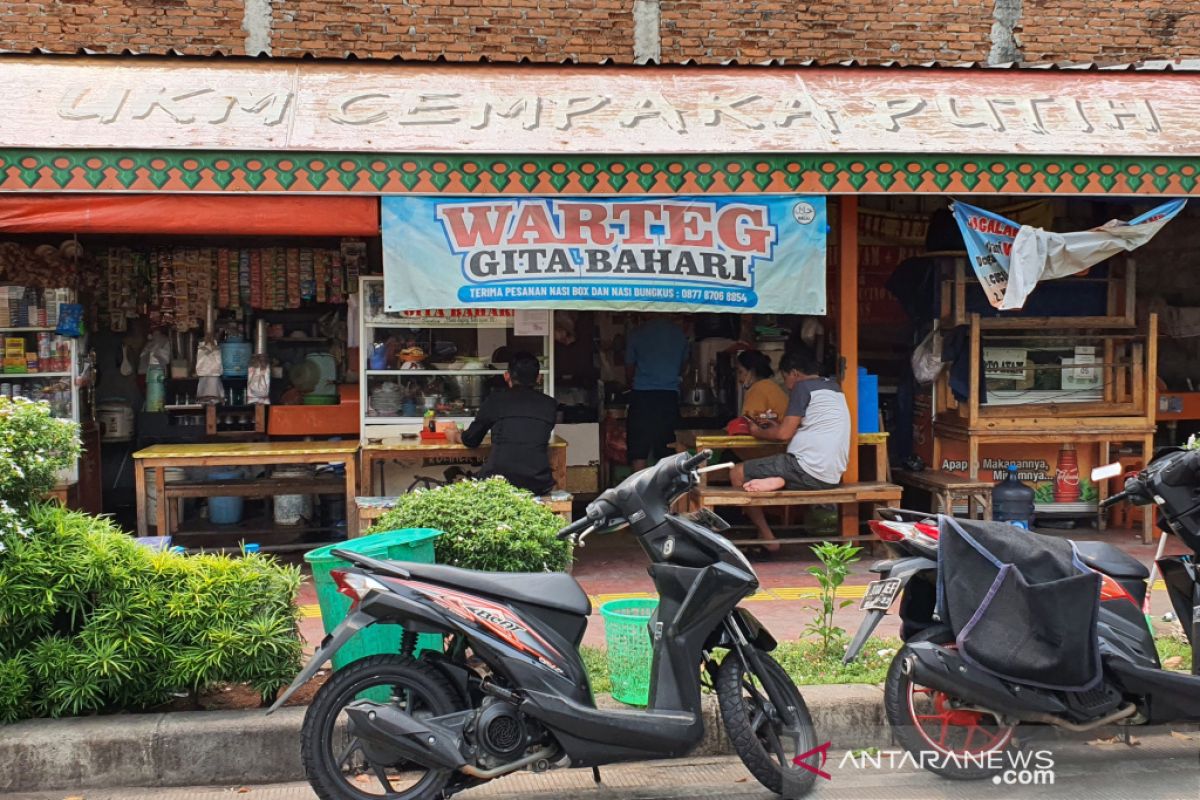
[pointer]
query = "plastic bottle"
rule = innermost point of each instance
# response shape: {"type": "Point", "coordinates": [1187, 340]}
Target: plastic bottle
{"type": "Point", "coordinates": [1012, 501]}
{"type": "Point", "coordinates": [155, 391]}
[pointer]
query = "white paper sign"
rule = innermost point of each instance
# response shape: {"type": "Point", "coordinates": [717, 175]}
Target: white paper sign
{"type": "Point", "coordinates": [532, 322]}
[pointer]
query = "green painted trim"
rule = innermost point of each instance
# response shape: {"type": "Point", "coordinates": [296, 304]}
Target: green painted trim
{"type": "Point", "coordinates": [183, 171]}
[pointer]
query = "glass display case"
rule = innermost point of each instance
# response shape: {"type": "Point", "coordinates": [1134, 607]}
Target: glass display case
{"type": "Point", "coordinates": [447, 361]}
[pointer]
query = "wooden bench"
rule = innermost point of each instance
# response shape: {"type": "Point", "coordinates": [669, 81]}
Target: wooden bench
{"type": "Point", "coordinates": [948, 489]}
{"type": "Point", "coordinates": [848, 497]}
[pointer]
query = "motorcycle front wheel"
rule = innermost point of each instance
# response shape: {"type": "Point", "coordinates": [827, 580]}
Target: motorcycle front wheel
{"type": "Point", "coordinates": [768, 738]}
{"type": "Point", "coordinates": [340, 766]}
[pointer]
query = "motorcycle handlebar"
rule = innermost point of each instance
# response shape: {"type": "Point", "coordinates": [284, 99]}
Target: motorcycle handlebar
{"type": "Point", "coordinates": [697, 460]}
{"type": "Point", "coordinates": [575, 527]}
{"type": "Point", "coordinates": [1116, 498]}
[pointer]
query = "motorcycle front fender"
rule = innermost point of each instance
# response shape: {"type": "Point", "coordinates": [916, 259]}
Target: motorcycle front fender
{"type": "Point", "coordinates": [750, 627]}
{"type": "Point", "coordinates": [329, 645]}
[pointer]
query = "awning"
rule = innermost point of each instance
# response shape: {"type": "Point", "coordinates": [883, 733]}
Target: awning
{"type": "Point", "coordinates": [319, 107]}
{"type": "Point", "coordinates": [230, 215]}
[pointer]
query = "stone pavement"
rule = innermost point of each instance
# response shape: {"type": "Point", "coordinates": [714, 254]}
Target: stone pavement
{"type": "Point", "coordinates": [1162, 767]}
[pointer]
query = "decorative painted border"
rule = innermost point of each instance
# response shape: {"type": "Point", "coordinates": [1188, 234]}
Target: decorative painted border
{"type": "Point", "coordinates": [204, 171]}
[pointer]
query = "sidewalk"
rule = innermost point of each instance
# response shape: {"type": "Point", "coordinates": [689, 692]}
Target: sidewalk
{"type": "Point", "coordinates": [614, 567]}
{"type": "Point", "coordinates": [1160, 768]}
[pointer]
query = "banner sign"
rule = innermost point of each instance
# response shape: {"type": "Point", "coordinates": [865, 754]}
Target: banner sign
{"type": "Point", "coordinates": [723, 253]}
{"type": "Point", "coordinates": [1009, 258]}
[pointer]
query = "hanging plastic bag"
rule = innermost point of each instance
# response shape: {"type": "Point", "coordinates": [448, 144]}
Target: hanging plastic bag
{"type": "Point", "coordinates": [208, 360]}
{"type": "Point", "coordinates": [70, 319]}
{"type": "Point", "coordinates": [258, 381]}
{"type": "Point", "coordinates": [156, 353]}
{"type": "Point", "coordinates": [927, 361]}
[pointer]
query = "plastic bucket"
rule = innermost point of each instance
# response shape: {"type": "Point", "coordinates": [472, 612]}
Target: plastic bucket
{"type": "Point", "coordinates": [172, 474]}
{"type": "Point", "coordinates": [630, 652]}
{"type": "Point", "coordinates": [225, 510]}
{"type": "Point", "coordinates": [407, 544]}
{"type": "Point", "coordinates": [292, 509]}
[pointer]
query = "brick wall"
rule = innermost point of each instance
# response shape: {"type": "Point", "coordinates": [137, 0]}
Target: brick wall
{"type": "Point", "coordinates": [877, 30]}
{"type": "Point", "coordinates": [1110, 32]}
{"type": "Point", "coordinates": [708, 31]}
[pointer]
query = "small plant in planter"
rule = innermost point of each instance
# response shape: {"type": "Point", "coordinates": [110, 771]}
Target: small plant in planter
{"type": "Point", "coordinates": [487, 525]}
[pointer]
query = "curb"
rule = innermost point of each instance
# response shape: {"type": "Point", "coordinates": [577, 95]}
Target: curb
{"type": "Point", "coordinates": [205, 748]}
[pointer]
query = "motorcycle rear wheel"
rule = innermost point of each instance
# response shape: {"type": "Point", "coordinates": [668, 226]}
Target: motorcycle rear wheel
{"type": "Point", "coordinates": [341, 767]}
{"type": "Point", "coordinates": [758, 729]}
{"type": "Point", "coordinates": [926, 723]}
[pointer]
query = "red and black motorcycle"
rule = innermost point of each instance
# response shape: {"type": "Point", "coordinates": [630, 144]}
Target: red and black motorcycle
{"type": "Point", "coordinates": [1002, 627]}
{"type": "Point", "coordinates": [508, 690]}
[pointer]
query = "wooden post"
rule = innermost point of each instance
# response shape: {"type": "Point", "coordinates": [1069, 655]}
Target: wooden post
{"type": "Point", "coordinates": [848, 321]}
{"type": "Point", "coordinates": [848, 340]}
{"type": "Point", "coordinates": [139, 491]}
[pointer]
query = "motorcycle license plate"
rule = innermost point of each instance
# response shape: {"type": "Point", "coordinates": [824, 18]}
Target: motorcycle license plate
{"type": "Point", "coordinates": [880, 595]}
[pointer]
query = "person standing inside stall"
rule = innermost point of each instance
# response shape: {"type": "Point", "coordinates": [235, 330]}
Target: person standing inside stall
{"type": "Point", "coordinates": [655, 354]}
{"type": "Point", "coordinates": [521, 420]}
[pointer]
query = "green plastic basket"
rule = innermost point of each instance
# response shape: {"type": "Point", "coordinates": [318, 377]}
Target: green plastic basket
{"type": "Point", "coordinates": [408, 544]}
{"type": "Point", "coordinates": [630, 650]}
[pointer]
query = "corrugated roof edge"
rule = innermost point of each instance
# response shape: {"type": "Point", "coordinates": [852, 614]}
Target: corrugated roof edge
{"type": "Point", "coordinates": [1148, 65]}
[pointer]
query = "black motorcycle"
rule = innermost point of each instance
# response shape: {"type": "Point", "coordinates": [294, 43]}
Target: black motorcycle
{"type": "Point", "coordinates": [508, 689]}
{"type": "Point", "coordinates": [1003, 627]}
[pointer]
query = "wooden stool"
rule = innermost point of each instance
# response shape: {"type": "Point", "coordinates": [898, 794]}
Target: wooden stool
{"type": "Point", "coordinates": [947, 489]}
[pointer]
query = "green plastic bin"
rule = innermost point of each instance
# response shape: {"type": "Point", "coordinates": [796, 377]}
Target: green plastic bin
{"type": "Point", "coordinates": [407, 544]}
{"type": "Point", "coordinates": [630, 652]}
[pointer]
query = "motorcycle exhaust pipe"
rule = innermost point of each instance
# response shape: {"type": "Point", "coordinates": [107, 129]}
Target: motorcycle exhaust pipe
{"type": "Point", "coordinates": [396, 732]}
{"type": "Point", "coordinates": [945, 670]}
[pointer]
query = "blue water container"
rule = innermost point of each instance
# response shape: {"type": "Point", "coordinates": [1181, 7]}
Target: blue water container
{"type": "Point", "coordinates": [225, 510]}
{"type": "Point", "coordinates": [868, 401]}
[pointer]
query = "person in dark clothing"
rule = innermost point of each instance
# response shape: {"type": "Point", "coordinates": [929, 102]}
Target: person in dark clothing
{"type": "Point", "coordinates": [521, 420]}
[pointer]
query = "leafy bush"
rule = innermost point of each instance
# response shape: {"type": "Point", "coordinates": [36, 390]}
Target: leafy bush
{"type": "Point", "coordinates": [34, 447]}
{"type": "Point", "coordinates": [486, 525]}
{"type": "Point", "coordinates": [91, 621]}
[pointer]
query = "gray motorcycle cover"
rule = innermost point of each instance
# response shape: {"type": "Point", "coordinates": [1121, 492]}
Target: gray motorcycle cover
{"type": "Point", "coordinates": [1022, 605]}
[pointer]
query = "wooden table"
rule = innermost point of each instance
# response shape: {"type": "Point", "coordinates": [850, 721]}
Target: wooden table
{"type": "Point", "coordinates": [417, 450]}
{"type": "Point", "coordinates": [238, 454]}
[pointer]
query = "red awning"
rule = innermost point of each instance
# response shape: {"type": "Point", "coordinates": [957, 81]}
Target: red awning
{"type": "Point", "coordinates": [191, 214]}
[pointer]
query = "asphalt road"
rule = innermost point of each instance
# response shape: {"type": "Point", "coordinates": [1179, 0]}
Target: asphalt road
{"type": "Point", "coordinates": [1160, 767]}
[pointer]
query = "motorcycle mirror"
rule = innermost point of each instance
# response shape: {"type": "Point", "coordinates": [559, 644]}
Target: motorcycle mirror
{"type": "Point", "coordinates": [1114, 470]}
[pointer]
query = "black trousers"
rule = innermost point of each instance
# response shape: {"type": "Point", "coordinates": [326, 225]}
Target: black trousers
{"type": "Point", "coordinates": [650, 428]}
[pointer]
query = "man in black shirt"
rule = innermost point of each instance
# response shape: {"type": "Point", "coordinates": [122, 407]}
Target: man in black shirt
{"type": "Point", "coordinates": [521, 420]}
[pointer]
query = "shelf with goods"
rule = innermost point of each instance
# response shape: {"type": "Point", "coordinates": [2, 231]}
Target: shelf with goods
{"type": "Point", "coordinates": [38, 363]}
{"type": "Point", "coordinates": [454, 350]}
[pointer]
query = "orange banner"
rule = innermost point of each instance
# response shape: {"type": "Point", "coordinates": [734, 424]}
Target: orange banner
{"type": "Point", "coordinates": [191, 214]}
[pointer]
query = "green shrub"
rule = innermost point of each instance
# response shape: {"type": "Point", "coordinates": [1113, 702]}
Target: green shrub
{"type": "Point", "coordinates": [91, 621]}
{"type": "Point", "coordinates": [34, 447]}
{"type": "Point", "coordinates": [487, 525]}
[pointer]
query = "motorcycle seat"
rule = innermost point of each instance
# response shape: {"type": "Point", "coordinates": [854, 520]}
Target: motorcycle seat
{"type": "Point", "coordinates": [1111, 560]}
{"type": "Point", "coordinates": [546, 589]}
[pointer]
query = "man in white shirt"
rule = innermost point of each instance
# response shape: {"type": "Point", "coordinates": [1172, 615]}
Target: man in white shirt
{"type": "Point", "coordinates": [816, 427]}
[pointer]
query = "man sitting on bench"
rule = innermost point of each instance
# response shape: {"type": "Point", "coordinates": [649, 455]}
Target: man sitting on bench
{"type": "Point", "coordinates": [816, 427]}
